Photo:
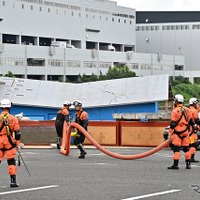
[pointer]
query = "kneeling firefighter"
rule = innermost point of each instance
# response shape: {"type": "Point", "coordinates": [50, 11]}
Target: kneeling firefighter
{"type": "Point", "coordinates": [180, 119]}
{"type": "Point", "coordinates": [9, 139]}
{"type": "Point", "coordinates": [193, 130]}
{"type": "Point", "coordinates": [62, 115]}
{"type": "Point", "coordinates": [81, 119]}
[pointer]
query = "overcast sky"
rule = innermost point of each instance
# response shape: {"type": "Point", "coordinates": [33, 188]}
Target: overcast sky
{"type": "Point", "coordinates": [161, 5]}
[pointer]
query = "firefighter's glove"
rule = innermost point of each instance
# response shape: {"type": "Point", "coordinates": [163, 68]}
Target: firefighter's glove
{"type": "Point", "coordinates": [18, 148]}
{"type": "Point", "coordinates": [169, 137]}
{"type": "Point", "coordinates": [74, 133]}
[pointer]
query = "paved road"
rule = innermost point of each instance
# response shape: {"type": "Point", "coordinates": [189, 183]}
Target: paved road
{"type": "Point", "coordinates": [100, 177]}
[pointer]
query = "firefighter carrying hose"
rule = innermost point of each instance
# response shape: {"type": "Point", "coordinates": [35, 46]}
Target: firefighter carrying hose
{"type": "Point", "coordinates": [180, 119]}
{"type": "Point", "coordinates": [193, 130]}
{"type": "Point", "coordinates": [62, 115]}
{"type": "Point", "coordinates": [81, 119]}
{"type": "Point", "coordinates": [9, 139]}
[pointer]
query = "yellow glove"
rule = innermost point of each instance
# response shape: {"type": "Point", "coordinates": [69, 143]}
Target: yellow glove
{"type": "Point", "coordinates": [74, 133]}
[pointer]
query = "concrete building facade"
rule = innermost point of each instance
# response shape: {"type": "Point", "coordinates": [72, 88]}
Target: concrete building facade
{"type": "Point", "coordinates": [51, 39]}
{"type": "Point", "coordinates": [174, 33]}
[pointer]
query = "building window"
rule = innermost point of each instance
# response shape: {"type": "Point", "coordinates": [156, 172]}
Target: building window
{"type": "Point", "coordinates": [79, 14]}
{"type": "Point", "coordinates": [31, 7]}
{"type": "Point", "coordinates": [157, 67]}
{"type": "Point", "coordinates": [167, 67]}
{"type": "Point", "coordinates": [179, 67]}
{"type": "Point", "coordinates": [40, 9]}
{"type": "Point", "coordinates": [11, 39]}
{"type": "Point", "coordinates": [105, 65]}
{"type": "Point", "coordinates": [124, 21]}
{"type": "Point", "coordinates": [145, 67]}
{"type": "Point", "coordinates": [73, 63]}
{"type": "Point", "coordinates": [130, 22]}
{"type": "Point", "coordinates": [89, 64]}
{"type": "Point", "coordinates": [65, 12]}
{"type": "Point", "coordinates": [3, 3]}
{"type": "Point", "coordinates": [36, 62]}
{"type": "Point", "coordinates": [11, 61]}
{"type": "Point", "coordinates": [55, 63]}
{"type": "Point", "coordinates": [134, 66]}
{"type": "Point", "coordinates": [22, 6]}
{"type": "Point", "coordinates": [49, 10]}
{"type": "Point", "coordinates": [187, 27]}
{"type": "Point", "coordinates": [93, 16]}
{"type": "Point", "coordinates": [100, 17]}
{"type": "Point", "coordinates": [86, 15]}
{"type": "Point", "coordinates": [113, 19]}
{"type": "Point", "coordinates": [13, 5]}
{"type": "Point", "coordinates": [152, 28]}
{"type": "Point", "coordinates": [72, 13]}
{"type": "Point", "coordinates": [119, 20]}
{"type": "Point", "coordinates": [56, 11]}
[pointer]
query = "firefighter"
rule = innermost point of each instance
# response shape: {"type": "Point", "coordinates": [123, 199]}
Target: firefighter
{"type": "Point", "coordinates": [180, 118]}
{"type": "Point", "coordinates": [62, 115]}
{"type": "Point", "coordinates": [193, 130]}
{"type": "Point", "coordinates": [81, 117]}
{"type": "Point", "coordinates": [9, 139]}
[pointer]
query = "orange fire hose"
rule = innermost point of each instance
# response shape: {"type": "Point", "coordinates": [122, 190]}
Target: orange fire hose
{"type": "Point", "coordinates": [65, 147]}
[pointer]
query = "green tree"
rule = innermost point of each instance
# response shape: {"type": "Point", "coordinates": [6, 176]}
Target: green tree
{"type": "Point", "coordinates": [113, 73]}
{"type": "Point", "coordinates": [187, 90]}
{"type": "Point", "coordinates": [179, 80]}
{"type": "Point", "coordinates": [119, 72]}
{"type": "Point", "coordinates": [10, 74]}
{"type": "Point", "coordinates": [67, 80]}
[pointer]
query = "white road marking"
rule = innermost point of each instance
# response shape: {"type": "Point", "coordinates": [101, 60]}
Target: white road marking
{"type": "Point", "coordinates": [98, 164]}
{"type": "Point", "coordinates": [99, 154]}
{"type": "Point", "coordinates": [32, 153]}
{"type": "Point", "coordinates": [194, 166]}
{"type": "Point", "coordinates": [30, 189]}
{"type": "Point", "coordinates": [153, 194]}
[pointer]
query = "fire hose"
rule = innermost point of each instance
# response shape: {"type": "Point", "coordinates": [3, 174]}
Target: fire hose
{"type": "Point", "coordinates": [65, 147]}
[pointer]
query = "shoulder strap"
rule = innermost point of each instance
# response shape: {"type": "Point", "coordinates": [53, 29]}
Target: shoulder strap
{"type": "Point", "coordinates": [183, 114]}
{"type": "Point", "coordinates": [80, 113]}
{"type": "Point", "coordinates": [5, 117]}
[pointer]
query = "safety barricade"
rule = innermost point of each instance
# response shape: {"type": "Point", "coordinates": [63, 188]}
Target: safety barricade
{"type": "Point", "coordinates": [107, 133]}
{"type": "Point", "coordinates": [147, 134]}
{"type": "Point", "coordinates": [104, 132]}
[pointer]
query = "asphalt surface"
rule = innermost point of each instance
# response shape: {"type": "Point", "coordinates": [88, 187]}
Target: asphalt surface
{"type": "Point", "coordinates": [99, 177]}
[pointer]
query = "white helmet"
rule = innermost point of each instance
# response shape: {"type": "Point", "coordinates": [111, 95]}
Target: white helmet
{"type": "Point", "coordinates": [179, 98]}
{"type": "Point", "coordinates": [193, 100]}
{"type": "Point", "coordinates": [77, 103]}
{"type": "Point", "coordinates": [67, 103]}
{"type": "Point", "coordinates": [5, 103]}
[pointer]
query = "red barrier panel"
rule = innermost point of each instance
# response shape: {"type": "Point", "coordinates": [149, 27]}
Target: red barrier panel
{"type": "Point", "coordinates": [66, 144]}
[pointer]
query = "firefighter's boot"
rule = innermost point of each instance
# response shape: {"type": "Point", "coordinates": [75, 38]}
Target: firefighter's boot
{"type": "Point", "coordinates": [13, 181]}
{"type": "Point", "coordinates": [175, 165]}
{"type": "Point", "coordinates": [82, 151]}
{"type": "Point", "coordinates": [188, 166]}
{"type": "Point", "coordinates": [192, 159]}
{"type": "Point", "coordinates": [58, 142]}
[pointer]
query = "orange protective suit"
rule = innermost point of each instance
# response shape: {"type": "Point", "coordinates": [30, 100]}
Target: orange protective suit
{"type": "Point", "coordinates": [5, 146]}
{"type": "Point", "coordinates": [180, 118]}
{"type": "Point", "coordinates": [193, 133]}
